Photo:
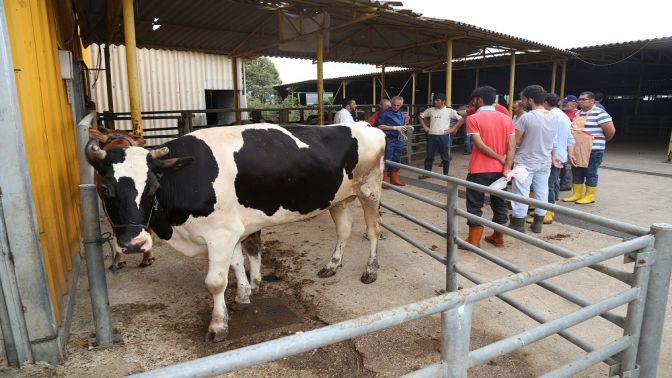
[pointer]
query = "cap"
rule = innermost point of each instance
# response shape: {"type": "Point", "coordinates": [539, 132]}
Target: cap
{"type": "Point", "coordinates": [570, 98]}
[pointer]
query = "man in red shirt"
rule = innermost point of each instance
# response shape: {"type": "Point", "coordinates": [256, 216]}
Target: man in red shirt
{"type": "Point", "coordinates": [570, 106]}
{"type": "Point", "coordinates": [494, 139]}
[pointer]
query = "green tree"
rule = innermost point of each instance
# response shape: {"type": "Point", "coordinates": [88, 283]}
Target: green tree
{"type": "Point", "coordinates": [260, 77]}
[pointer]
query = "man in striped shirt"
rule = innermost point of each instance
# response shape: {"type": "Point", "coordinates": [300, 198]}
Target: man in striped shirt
{"type": "Point", "coordinates": [601, 127]}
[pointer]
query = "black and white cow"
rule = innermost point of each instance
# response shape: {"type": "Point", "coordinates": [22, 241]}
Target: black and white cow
{"type": "Point", "coordinates": [214, 187]}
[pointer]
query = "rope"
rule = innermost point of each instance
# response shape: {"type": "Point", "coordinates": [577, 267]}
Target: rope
{"type": "Point", "coordinates": [616, 62]}
{"type": "Point", "coordinates": [106, 237]}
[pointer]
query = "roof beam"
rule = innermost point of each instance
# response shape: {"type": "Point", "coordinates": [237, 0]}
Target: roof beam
{"type": "Point", "coordinates": [254, 32]}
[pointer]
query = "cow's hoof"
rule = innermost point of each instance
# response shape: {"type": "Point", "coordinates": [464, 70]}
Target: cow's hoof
{"type": "Point", "coordinates": [120, 265]}
{"type": "Point", "coordinates": [326, 272]}
{"type": "Point", "coordinates": [256, 286]}
{"type": "Point", "coordinates": [217, 334]}
{"type": "Point", "coordinates": [146, 263]}
{"type": "Point", "coordinates": [236, 306]}
{"type": "Point", "coordinates": [368, 278]}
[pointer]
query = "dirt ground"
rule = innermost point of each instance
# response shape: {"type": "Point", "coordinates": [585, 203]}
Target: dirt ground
{"type": "Point", "coordinates": [163, 310]}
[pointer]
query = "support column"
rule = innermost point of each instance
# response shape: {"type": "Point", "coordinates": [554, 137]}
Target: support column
{"type": "Point", "coordinates": [108, 80]}
{"type": "Point", "coordinates": [236, 90]}
{"type": "Point", "coordinates": [382, 83]}
{"type": "Point", "coordinates": [512, 80]}
{"type": "Point", "coordinates": [132, 66]}
{"type": "Point", "coordinates": [638, 94]}
{"type": "Point", "coordinates": [343, 86]}
{"type": "Point", "coordinates": [374, 91]}
{"type": "Point", "coordinates": [449, 73]}
{"type": "Point", "coordinates": [563, 77]}
{"type": "Point", "coordinates": [320, 79]}
{"type": "Point", "coordinates": [478, 77]}
{"type": "Point", "coordinates": [554, 74]}
{"type": "Point", "coordinates": [429, 87]}
{"type": "Point", "coordinates": [414, 76]}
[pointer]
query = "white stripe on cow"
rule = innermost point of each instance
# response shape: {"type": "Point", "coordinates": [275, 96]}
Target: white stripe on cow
{"type": "Point", "coordinates": [134, 167]}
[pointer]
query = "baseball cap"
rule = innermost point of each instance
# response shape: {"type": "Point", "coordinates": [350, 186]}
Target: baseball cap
{"type": "Point", "coordinates": [570, 98]}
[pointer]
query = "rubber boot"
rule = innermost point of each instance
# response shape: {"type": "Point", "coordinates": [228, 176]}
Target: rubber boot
{"type": "Point", "coordinates": [577, 193]}
{"type": "Point", "coordinates": [538, 223]}
{"type": "Point", "coordinates": [496, 239]}
{"type": "Point", "coordinates": [590, 195]}
{"type": "Point", "coordinates": [386, 176]}
{"type": "Point", "coordinates": [548, 219]}
{"type": "Point", "coordinates": [517, 224]}
{"type": "Point", "coordinates": [446, 168]}
{"type": "Point", "coordinates": [394, 179]}
{"type": "Point", "coordinates": [474, 238]}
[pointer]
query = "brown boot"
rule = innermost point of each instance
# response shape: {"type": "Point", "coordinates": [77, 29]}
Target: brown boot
{"type": "Point", "coordinates": [394, 179]}
{"type": "Point", "coordinates": [474, 238]}
{"type": "Point", "coordinates": [496, 239]}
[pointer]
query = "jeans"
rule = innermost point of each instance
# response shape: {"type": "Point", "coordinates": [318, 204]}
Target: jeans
{"type": "Point", "coordinates": [554, 184]}
{"type": "Point", "coordinates": [588, 174]}
{"type": "Point", "coordinates": [467, 143]}
{"type": "Point", "coordinates": [393, 149]}
{"type": "Point", "coordinates": [476, 199]}
{"type": "Point", "coordinates": [566, 176]}
{"type": "Point", "coordinates": [440, 143]}
{"type": "Point", "coordinates": [539, 179]}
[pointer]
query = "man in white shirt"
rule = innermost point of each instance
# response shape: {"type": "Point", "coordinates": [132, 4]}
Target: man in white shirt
{"type": "Point", "coordinates": [345, 114]}
{"type": "Point", "coordinates": [439, 132]}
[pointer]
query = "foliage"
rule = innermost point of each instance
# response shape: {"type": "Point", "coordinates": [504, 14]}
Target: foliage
{"type": "Point", "coordinates": [260, 77]}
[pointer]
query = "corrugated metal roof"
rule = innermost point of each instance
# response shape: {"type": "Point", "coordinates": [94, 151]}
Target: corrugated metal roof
{"type": "Point", "coordinates": [360, 31]}
{"type": "Point", "coordinates": [665, 41]}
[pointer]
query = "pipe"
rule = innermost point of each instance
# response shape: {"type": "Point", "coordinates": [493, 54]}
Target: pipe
{"type": "Point", "coordinates": [449, 73]}
{"type": "Point", "coordinates": [236, 90]}
{"type": "Point", "coordinates": [512, 80]}
{"type": "Point", "coordinates": [592, 358]}
{"type": "Point", "coordinates": [82, 135]}
{"type": "Point", "coordinates": [95, 264]}
{"type": "Point", "coordinates": [319, 47]}
{"type": "Point", "coordinates": [108, 80]}
{"type": "Point", "coordinates": [132, 66]}
{"type": "Point", "coordinates": [554, 74]}
{"type": "Point", "coordinates": [563, 77]}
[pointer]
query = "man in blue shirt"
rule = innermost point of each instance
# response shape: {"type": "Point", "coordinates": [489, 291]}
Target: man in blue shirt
{"type": "Point", "coordinates": [391, 121]}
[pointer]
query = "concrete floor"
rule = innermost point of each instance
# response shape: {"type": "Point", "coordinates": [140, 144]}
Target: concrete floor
{"type": "Point", "coordinates": [163, 309]}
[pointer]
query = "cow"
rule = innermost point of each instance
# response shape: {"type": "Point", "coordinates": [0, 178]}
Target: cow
{"type": "Point", "coordinates": [206, 191]}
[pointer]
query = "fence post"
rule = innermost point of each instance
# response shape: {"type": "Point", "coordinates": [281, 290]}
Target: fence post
{"type": "Point", "coordinates": [656, 302]}
{"type": "Point", "coordinates": [455, 335]}
{"type": "Point", "coordinates": [284, 116]}
{"type": "Point", "coordinates": [182, 124]}
{"type": "Point", "coordinates": [451, 250]}
{"type": "Point", "coordinates": [643, 260]}
{"type": "Point", "coordinates": [409, 147]}
{"type": "Point", "coordinates": [189, 122]}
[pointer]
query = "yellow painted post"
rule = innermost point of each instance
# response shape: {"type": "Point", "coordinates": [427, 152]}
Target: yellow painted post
{"type": "Point", "coordinates": [343, 85]}
{"type": "Point", "coordinates": [563, 77]}
{"type": "Point", "coordinates": [429, 87]}
{"type": "Point", "coordinates": [415, 76]}
{"type": "Point", "coordinates": [478, 77]}
{"type": "Point", "coordinates": [449, 73]}
{"type": "Point", "coordinates": [236, 92]}
{"type": "Point", "coordinates": [132, 66]}
{"type": "Point", "coordinates": [512, 80]}
{"type": "Point", "coordinates": [382, 84]}
{"type": "Point", "coordinates": [554, 74]}
{"type": "Point", "coordinates": [320, 78]}
{"type": "Point", "coordinates": [374, 91]}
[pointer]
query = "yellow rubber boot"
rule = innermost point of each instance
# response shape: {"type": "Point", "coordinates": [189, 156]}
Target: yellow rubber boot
{"type": "Point", "coordinates": [590, 195]}
{"type": "Point", "coordinates": [548, 218]}
{"type": "Point", "coordinates": [577, 193]}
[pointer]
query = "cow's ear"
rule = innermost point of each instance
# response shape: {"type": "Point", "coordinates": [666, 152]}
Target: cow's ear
{"type": "Point", "coordinates": [172, 165]}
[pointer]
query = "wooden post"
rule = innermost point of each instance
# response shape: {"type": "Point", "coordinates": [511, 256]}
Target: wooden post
{"type": "Point", "coordinates": [132, 66]}
{"type": "Point", "coordinates": [449, 73]}
{"type": "Point", "coordinates": [563, 77]}
{"type": "Point", "coordinates": [429, 87]}
{"type": "Point", "coordinates": [382, 84]}
{"type": "Point", "coordinates": [236, 91]}
{"type": "Point", "coordinates": [512, 80]}
{"type": "Point", "coordinates": [343, 85]}
{"type": "Point", "coordinates": [109, 124]}
{"type": "Point", "coordinates": [320, 78]}
{"type": "Point", "coordinates": [554, 74]}
{"type": "Point", "coordinates": [478, 78]}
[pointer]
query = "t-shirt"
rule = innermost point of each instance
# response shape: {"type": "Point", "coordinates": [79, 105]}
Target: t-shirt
{"type": "Point", "coordinates": [391, 118]}
{"type": "Point", "coordinates": [564, 136]}
{"type": "Point", "coordinates": [439, 119]}
{"type": "Point", "coordinates": [540, 131]}
{"type": "Point", "coordinates": [572, 113]}
{"type": "Point", "coordinates": [471, 110]}
{"type": "Point", "coordinates": [343, 116]}
{"type": "Point", "coordinates": [494, 128]}
{"type": "Point", "coordinates": [595, 118]}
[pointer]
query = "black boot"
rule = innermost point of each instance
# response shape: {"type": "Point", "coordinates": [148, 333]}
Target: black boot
{"type": "Point", "coordinates": [517, 224]}
{"type": "Point", "coordinates": [446, 168]}
{"type": "Point", "coordinates": [537, 224]}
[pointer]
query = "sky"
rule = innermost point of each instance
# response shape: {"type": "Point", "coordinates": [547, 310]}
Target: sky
{"type": "Point", "coordinates": [586, 23]}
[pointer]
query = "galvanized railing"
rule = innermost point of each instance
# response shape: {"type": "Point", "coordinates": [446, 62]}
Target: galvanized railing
{"type": "Point", "coordinates": [637, 350]}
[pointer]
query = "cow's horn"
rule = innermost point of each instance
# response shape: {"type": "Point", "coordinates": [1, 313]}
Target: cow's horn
{"type": "Point", "coordinates": [97, 152]}
{"type": "Point", "coordinates": [159, 152]}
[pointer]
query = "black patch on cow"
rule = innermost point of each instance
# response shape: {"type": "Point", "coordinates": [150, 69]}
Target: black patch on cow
{"type": "Point", "coordinates": [188, 191]}
{"type": "Point", "coordinates": [274, 172]}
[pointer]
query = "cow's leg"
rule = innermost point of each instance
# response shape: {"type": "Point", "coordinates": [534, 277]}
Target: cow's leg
{"type": "Point", "coordinates": [252, 248]}
{"type": "Point", "coordinates": [220, 253]}
{"type": "Point", "coordinates": [238, 266]}
{"type": "Point", "coordinates": [343, 220]}
{"type": "Point", "coordinates": [119, 260]}
{"type": "Point", "coordinates": [147, 259]}
{"type": "Point", "coordinates": [370, 202]}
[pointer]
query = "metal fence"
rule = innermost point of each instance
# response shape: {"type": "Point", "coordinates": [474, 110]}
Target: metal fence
{"type": "Point", "coordinates": [634, 353]}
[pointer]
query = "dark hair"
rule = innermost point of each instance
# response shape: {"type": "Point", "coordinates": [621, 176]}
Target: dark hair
{"type": "Point", "coordinates": [487, 93]}
{"type": "Point", "coordinates": [552, 99]}
{"type": "Point", "coordinates": [440, 96]}
{"type": "Point", "coordinates": [599, 96]}
{"type": "Point", "coordinates": [588, 94]}
{"type": "Point", "coordinates": [536, 93]}
{"type": "Point", "coordinates": [347, 101]}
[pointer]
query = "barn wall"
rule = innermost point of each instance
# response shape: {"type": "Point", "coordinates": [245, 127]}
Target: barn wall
{"type": "Point", "coordinates": [169, 80]}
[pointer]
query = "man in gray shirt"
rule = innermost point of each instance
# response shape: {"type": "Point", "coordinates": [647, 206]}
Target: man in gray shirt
{"type": "Point", "coordinates": [535, 134]}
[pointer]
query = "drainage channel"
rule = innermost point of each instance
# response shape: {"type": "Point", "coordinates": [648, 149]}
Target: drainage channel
{"type": "Point", "coordinates": [424, 184]}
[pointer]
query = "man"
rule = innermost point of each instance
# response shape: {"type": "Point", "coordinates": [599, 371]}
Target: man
{"type": "Point", "coordinates": [570, 106]}
{"type": "Point", "coordinates": [470, 110]}
{"type": "Point", "coordinates": [600, 126]}
{"type": "Point", "coordinates": [493, 136]}
{"type": "Point", "coordinates": [391, 121]}
{"type": "Point", "coordinates": [518, 111]}
{"type": "Point", "coordinates": [382, 106]}
{"type": "Point", "coordinates": [345, 114]}
{"type": "Point", "coordinates": [439, 132]}
{"type": "Point", "coordinates": [535, 135]}
{"type": "Point", "coordinates": [564, 152]}
{"type": "Point", "coordinates": [599, 97]}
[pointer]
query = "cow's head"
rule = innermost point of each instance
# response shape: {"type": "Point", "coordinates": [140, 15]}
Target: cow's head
{"type": "Point", "coordinates": [130, 181]}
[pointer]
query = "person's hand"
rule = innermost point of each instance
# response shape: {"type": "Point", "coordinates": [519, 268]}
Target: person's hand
{"type": "Point", "coordinates": [406, 128]}
{"type": "Point", "coordinates": [426, 129]}
{"type": "Point", "coordinates": [506, 173]}
{"type": "Point", "coordinates": [572, 160]}
{"type": "Point", "coordinates": [557, 163]}
{"type": "Point", "coordinates": [449, 131]}
{"type": "Point", "coordinates": [502, 159]}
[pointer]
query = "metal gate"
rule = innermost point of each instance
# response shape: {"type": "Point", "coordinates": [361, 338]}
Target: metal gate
{"type": "Point", "coordinates": [634, 353]}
